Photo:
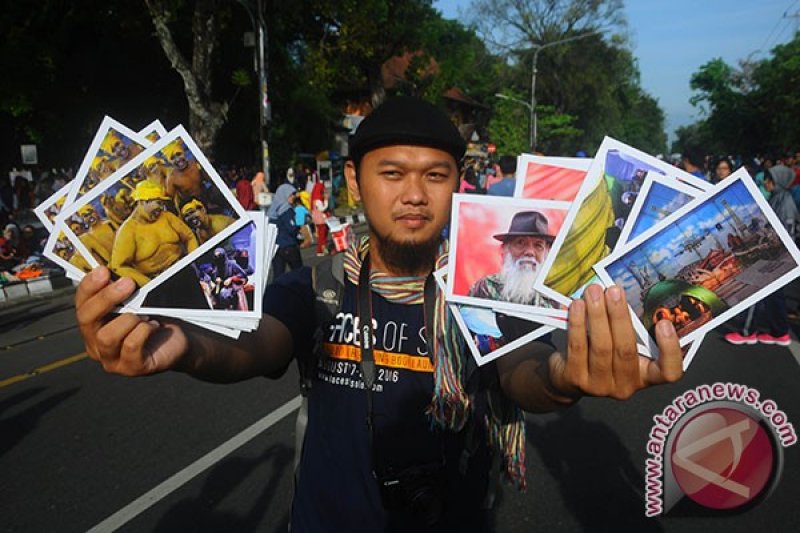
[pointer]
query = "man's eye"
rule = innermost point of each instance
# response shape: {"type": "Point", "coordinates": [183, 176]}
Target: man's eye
{"type": "Point", "coordinates": [438, 176]}
{"type": "Point", "coordinates": [392, 174]}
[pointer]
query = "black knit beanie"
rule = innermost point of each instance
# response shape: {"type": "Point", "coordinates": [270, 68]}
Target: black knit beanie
{"type": "Point", "coordinates": [407, 120]}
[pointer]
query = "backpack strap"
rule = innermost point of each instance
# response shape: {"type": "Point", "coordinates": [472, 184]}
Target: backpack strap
{"type": "Point", "coordinates": [327, 281]}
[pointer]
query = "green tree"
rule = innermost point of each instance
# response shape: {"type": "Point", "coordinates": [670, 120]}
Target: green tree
{"type": "Point", "coordinates": [352, 39]}
{"type": "Point", "coordinates": [776, 97]}
{"type": "Point", "coordinates": [591, 78]}
{"type": "Point", "coordinates": [696, 134]}
{"type": "Point", "coordinates": [508, 127]}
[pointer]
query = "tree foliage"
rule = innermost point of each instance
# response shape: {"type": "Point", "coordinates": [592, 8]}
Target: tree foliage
{"type": "Point", "coordinates": [183, 61]}
{"type": "Point", "coordinates": [747, 109]}
{"type": "Point", "coordinates": [353, 38]}
{"type": "Point", "coordinates": [592, 78]}
{"type": "Point", "coordinates": [509, 125]}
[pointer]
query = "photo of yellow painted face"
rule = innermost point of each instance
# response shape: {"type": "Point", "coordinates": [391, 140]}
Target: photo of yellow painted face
{"type": "Point", "coordinates": [151, 209]}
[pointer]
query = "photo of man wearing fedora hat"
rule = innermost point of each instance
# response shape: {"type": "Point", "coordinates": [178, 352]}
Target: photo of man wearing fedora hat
{"type": "Point", "coordinates": [524, 247]}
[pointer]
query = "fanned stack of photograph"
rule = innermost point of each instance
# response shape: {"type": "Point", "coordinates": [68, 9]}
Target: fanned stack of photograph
{"type": "Point", "coordinates": [681, 249]}
{"type": "Point", "coordinates": [149, 206]}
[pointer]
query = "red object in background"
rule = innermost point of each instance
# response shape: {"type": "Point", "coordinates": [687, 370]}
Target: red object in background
{"type": "Point", "coordinates": [546, 182]}
{"type": "Point", "coordinates": [244, 193]}
{"type": "Point", "coordinates": [491, 148]}
{"type": "Point", "coordinates": [342, 238]}
{"type": "Point", "coordinates": [322, 237]}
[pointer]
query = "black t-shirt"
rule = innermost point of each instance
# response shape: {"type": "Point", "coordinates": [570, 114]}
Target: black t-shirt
{"type": "Point", "coordinates": [337, 490]}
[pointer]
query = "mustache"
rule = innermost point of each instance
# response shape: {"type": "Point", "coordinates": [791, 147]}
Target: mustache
{"type": "Point", "coordinates": [421, 214]}
{"type": "Point", "coordinates": [526, 261]}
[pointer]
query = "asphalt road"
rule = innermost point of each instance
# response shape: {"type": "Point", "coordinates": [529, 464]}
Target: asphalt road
{"type": "Point", "coordinates": [80, 449]}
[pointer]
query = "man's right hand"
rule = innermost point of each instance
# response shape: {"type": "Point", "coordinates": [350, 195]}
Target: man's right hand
{"type": "Point", "coordinates": [128, 344]}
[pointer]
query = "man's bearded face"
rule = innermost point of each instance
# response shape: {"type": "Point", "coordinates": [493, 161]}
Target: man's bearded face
{"type": "Point", "coordinates": [196, 217]}
{"type": "Point", "coordinates": [179, 160]}
{"type": "Point", "coordinates": [90, 218]}
{"type": "Point", "coordinates": [151, 209]}
{"type": "Point", "coordinates": [120, 150]}
{"type": "Point", "coordinates": [521, 259]}
{"type": "Point", "coordinates": [65, 250]}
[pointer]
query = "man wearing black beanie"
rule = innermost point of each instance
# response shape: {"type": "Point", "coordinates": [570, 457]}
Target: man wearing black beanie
{"type": "Point", "coordinates": [396, 439]}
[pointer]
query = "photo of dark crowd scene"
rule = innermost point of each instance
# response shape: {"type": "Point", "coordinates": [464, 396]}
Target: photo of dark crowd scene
{"type": "Point", "coordinates": [221, 279]}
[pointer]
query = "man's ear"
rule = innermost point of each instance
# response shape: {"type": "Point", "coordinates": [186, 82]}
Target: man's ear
{"type": "Point", "coordinates": [352, 182]}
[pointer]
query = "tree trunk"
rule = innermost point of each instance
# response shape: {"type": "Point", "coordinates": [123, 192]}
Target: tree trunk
{"type": "Point", "coordinates": [377, 92]}
{"type": "Point", "coordinates": [206, 116]}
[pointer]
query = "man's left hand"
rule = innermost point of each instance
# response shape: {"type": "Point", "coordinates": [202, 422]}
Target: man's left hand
{"type": "Point", "coordinates": [601, 357]}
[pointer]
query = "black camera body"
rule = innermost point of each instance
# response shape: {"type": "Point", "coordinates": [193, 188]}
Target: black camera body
{"type": "Point", "coordinates": [418, 490]}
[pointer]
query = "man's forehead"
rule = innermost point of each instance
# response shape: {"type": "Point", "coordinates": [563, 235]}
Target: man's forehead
{"type": "Point", "coordinates": [404, 154]}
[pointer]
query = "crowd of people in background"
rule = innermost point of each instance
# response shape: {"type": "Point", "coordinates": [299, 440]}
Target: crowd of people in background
{"type": "Point", "coordinates": [23, 237]}
{"type": "Point", "coordinates": [300, 203]}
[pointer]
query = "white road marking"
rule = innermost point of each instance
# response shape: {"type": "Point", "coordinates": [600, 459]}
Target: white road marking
{"type": "Point", "coordinates": [794, 347]}
{"type": "Point", "coordinates": [161, 491]}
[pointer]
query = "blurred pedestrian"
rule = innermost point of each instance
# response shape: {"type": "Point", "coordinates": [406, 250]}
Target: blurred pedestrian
{"type": "Point", "coordinates": [9, 243]}
{"type": "Point", "coordinates": [260, 191]}
{"type": "Point", "coordinates": [469, 182]}
{"type": "Point", "coordinates": [281, 214]}
{"type": "Point", "coordinates": [723, 169]}
{"type": "Point", "coordinates": [693, 162]}
{"type": "Point", "coordinates": [508, 169]}
{"type": "Point", "coordinates": [244, 192]}
{"type": "Point", "coordinates": [771, 313]}
{"type": "Point", "coordinates": [319, 207]}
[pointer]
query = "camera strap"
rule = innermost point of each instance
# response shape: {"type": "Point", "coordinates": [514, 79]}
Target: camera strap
{"type": "Point", "coordinates": [365, 317]}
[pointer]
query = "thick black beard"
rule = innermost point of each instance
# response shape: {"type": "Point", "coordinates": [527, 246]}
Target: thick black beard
{"type": "Point", "coordinates": [408, 258]}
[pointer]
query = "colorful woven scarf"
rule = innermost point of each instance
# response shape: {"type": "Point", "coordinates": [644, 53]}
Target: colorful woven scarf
{"type": "Point", "coordinates": [450, 406]}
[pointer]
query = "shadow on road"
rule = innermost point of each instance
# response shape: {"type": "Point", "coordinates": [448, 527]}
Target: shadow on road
{"type": "Point", "coordinates": [596, 477]}
{"type": "Point", "coordinates": [198, 513]}
{"type": "Point", "coordinates": [14, 428]}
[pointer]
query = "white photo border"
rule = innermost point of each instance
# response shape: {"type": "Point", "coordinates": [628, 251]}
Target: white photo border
{"type": "Point", "coordinates": [593, 178]}
{"type": "Point", "coordinates": [664, 181]}
{"type": "Point", "coordinates": [177, 133]}
{"type": "Point", "coordinates": [740, 176]}
{"type": "Point", "coordinates": [209, 314]}
{"type": "Point", "coordinates": [573, 163]}
{"type": "Point", "coordinates": [40, 209]}
{"type": "Point", "coordinates": [107, 124]}
{"type": "Point", "coordinates": [481, 360]}
{"type": "Point", "coordinates": [494, 201]}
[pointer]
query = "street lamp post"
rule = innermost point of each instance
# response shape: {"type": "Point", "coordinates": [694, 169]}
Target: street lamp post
{"type": "Point", "coordinates": [532, 106]}
{"type": "Point", "coordinates": [260, 68]}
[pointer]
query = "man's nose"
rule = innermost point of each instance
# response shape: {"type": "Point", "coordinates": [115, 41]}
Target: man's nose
{"type": "Point", "coordinates": [415, 191]}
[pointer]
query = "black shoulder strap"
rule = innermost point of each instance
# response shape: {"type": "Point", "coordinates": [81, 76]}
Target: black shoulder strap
{"type": "Point", "coordinates": [327, 281]}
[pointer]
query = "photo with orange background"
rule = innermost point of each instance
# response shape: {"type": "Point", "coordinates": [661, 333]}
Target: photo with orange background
{"type": "Point", "coordinates": [478, 253]}
{"type": "Point", "coordinates": [549, 182]}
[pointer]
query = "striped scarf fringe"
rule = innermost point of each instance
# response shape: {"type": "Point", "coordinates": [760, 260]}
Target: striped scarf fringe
{"type": "Point", "coordinates": [450, 406]}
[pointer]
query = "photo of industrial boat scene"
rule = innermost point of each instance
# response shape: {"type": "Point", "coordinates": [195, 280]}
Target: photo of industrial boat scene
{"type": "Point", "coordinates": [703, 263]}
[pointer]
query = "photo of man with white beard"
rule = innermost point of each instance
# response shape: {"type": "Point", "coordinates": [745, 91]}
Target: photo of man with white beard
{"type": "Point", "coordinates": [524, 247]}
